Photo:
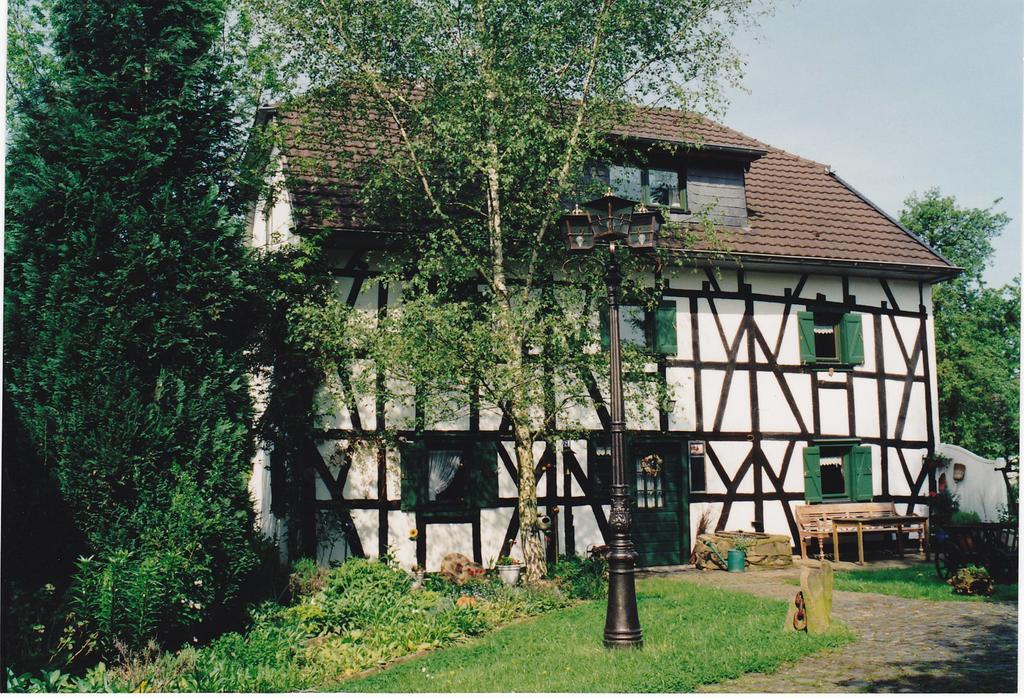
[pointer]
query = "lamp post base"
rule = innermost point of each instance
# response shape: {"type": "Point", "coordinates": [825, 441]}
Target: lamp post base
{"type": "Point", "coordinates": [622, 624]}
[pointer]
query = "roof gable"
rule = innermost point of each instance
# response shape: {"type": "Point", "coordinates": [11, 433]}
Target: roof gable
{"type": "Point", "coordinates": [797, 208]}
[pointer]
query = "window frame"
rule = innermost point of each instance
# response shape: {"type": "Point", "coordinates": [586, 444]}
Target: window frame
{"type": "Point", "coordinates": [661, 337]}
{"type": "Point", "coordinates": [847, 328]}
{"type": "Point", "coordinates": [703, 456]}
{"type": "Point", "coordinates": [601, 489]}
{"type": "Point", "coordinates": [847, 494]}
{"type": "Point", "coordinates": [853, 450]}
{"type": "Point", "coordinates": [473, 454]}
{"type": "Point", "coordinates": [682, 205]}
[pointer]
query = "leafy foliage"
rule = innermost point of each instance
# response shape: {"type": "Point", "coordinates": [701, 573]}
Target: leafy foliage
{"type": "Point", "coordinates": [964, 517]}
{"type": "Point", "coordinates": [354, 617]}
{"type": "Point", "coordinates": [977, 328]}
{"type": "Point", "coordinates": [972, 581]}
{"type": "Point", "coordinates": [582, 578]}
{"type": "Point", "coordinates": [942, 506]}
{"type": "Point", "coordinates": [128, 301]}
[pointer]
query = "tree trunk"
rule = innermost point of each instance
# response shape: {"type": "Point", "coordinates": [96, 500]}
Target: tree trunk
{"type": "Point", "coordinates": [531, 538]}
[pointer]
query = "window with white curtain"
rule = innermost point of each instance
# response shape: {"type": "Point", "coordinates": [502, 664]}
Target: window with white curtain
{"type": "Point", "coordinates": [446, 476]}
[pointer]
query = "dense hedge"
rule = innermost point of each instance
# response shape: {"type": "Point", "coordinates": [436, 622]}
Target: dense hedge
{"type": "Point", "coordinates": [128, 303]}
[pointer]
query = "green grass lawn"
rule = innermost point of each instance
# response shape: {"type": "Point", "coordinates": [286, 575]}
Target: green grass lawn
{"type": "Point", "coordinates": [917, 582]}
{"type": "Point", "coordinates": [693, 635]}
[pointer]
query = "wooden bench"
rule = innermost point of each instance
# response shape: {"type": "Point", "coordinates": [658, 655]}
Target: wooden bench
{"type": "Point", "coordinates": [818, 521]}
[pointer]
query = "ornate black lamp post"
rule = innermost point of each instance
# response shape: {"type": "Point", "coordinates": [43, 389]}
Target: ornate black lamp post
{"type": "Point", "coordinates": [608, 221]}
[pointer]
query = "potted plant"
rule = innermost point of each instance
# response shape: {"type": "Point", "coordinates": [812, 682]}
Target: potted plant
{"type": "Point", "coordinates": [736, 559]}
{"type": "Point", "coordinates": [509, 570]}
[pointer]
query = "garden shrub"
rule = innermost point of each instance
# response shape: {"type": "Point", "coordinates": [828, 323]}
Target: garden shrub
{"type": "Point", "coordinates": [941, 507]}
{"type": "Point", "coordinates": [964, 517]}
{"type": "Point", "coordinates": [354, 617]}
{"type": "Point", "coordinates": [581, 578]}
{"type": "Point", "coordinates": [307, 577]}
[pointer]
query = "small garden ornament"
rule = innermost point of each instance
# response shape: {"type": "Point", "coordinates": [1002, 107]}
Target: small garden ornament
{"type": "Point", "coordinates": [457, 568]}
{"type": "Point", "coordinates": [811, 609]}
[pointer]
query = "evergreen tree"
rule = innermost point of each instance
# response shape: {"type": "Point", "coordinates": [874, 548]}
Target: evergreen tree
{"type": "Point", "coordinates": [126, 307]}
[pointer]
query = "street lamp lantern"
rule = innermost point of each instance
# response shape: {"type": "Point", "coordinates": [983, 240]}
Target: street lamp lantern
{"type": "Point", "coordinates": [613, 214]}
{"type": "Point", "coordinates": [643, 228]}
{"type": "Point", "coordinates": [579, 230]}
{"type": "Point", "coordinates": [616, 219]}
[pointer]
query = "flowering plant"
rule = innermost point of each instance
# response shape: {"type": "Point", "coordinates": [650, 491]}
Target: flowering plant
{"type": "Point", "coordinates": [414, 534]}
{"type": "Point", "coordinates": [507, 560]}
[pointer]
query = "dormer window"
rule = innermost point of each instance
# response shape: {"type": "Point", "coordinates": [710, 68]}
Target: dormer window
{"type": "Point", "coordinates": [652, 187]}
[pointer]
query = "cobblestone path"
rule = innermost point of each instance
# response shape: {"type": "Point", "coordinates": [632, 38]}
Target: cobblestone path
{"type": "Point", "coordinates": [903, 645]}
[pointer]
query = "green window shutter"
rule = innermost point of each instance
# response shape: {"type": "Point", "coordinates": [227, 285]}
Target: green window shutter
{"type": "Point", "coordinates": [483, 478]}
{"type": "Point", "coordinates": [665, 329]}
{"type": "Point", "coordinates": [606, 338]}
{"type": "Point", "coordinates": [414, 473]}
{"type": "Point", "coordinates": [812, 474]}
{"type": "Point", "coordinates": [860, 467]}
{"type": "Point", "coordinates": [805, 323]}
{"type": "Point", "coordinates": [851, 336]}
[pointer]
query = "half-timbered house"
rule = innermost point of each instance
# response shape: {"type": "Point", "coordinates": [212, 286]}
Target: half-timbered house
{"type": "Point", "coordinates": [803, 367]}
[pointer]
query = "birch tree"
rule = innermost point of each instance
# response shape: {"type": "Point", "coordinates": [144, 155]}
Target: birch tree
{"type": "Point", "coordinates": [468, 125]}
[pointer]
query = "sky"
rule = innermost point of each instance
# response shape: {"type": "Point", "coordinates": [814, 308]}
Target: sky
{"type": "Point", "coordinates": [898, 96]}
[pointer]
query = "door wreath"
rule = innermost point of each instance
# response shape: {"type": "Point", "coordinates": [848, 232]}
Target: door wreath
{"type": "Point", "coordinates": [650, 465]}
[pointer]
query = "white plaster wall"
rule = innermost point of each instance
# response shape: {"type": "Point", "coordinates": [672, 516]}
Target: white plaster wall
{"type": "Point", "coordinates": [830, 286]}
{"type": "Point", "coordinates": [688, 279]}
{"type": "Point", "coordinates": [906, 294]}
{"type": "Point", "coordinates": [741, 514]}
{"type": "Point", "coordinates": [361, 482]}
{"type": "Point", "coordinates": [588, 533]}
{"type": "Point", "coordinates": [400, 525]}
{"type": "Point", "coordinates": [579, 450]}
{"type": "Point", "coordinates": [771, 283]}
{"type": "Point", "coordinates": [400, 412]}
{"type": "Point", "coordinates": [865, 398]}
{"type": "Point", "coordinates": [834, 413]}
{"type": "Point", "coordinates": [775, 413]}
{"type": "Point", "coordinates": [868, 291]}
{"type": "Point", "coordinates": [493, 524]}
{"type": "Point", "coordinates": [683, 416]}
{"type": "Point", "coordinates": [731, 455]}
{"type": "Point", "coordinates": [730, 314]}
{"type": "Point", "coordinates": [714, 510]}
{"type": "Point", "coordinates": [983, 489]}
{"type": "Point", "coordinates": [367, 525]}
{"type": "Point", "coordinates": [775, 519]}
{"type": "Point", "coordinates": [271, 221]}
{"type": "Point", "coordinates": [933, 392]}
{"type": "Point", "coordinates": [447, 538]}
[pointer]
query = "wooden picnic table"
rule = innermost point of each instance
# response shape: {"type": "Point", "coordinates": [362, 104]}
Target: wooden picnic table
{"type": "Point", "coordinates": [878, 523]}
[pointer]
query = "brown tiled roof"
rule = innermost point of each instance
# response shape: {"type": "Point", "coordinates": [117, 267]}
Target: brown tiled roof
{"type": "Point", "coordinates": [797, 207]}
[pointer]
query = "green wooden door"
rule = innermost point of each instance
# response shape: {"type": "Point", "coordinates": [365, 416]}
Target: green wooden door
{"type": "Point", "coordinates": [661, 525]}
